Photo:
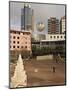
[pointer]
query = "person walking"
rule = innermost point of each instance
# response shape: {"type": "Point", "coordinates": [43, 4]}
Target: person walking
{"type": "Point", "coordinates": [53, 69]}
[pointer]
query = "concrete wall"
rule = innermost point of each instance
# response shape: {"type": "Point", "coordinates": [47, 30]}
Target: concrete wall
{"type": "Point", "coordinates": [55, 37]}
{"type": "Point", "coordinates": [45, 57]}
{"type": "Point", "coordinates": [24, 40]}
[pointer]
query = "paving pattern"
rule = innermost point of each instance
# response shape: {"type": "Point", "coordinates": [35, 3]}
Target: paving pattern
{"type": "Point", "coordinates": [40, 73]}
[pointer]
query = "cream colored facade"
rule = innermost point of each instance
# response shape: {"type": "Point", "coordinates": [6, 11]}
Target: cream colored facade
{"type": "Point", "coordinates": [62, 24]}
{"type": "Point", "coordinates": [20, 40]}
{"type": "Point", "coordinates": [49, 37]}
{"type": "Point", "coordinates": [54, 37]}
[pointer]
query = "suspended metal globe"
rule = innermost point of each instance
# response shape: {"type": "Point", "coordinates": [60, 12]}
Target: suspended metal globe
{"type": "Point", "coordinates": [40, 26]}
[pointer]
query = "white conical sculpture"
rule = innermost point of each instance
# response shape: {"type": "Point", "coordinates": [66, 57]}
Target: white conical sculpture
{"type": "Point", "coordinates": [20, 78]}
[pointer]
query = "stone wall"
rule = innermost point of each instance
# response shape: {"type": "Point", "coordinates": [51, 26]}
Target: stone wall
{"type": "Point", "coordinates": [45, 57]}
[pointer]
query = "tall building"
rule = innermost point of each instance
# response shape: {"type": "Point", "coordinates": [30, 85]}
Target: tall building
{"type": "Point", "coordinates": [62, 25]}
{"type": "Point", "coordinates": [27, 18]}
{"type": "Point", "coordinates": [53, 26]}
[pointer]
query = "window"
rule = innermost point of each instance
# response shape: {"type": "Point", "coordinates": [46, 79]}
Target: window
{"type": "Point", "coordinates": [13, 41]}
{"type": "Point", "coordinates": [25, 46]}
{"type": "Point", "coordinates": [25, 42]}
{"type": "Point", "coordinates": [21, 46]}
{"type": "Point", "coordinates": [17, 32]}
{"type": "Point", "coordinates": [13, 37]}
{"type": "Point", "coordinates": [17, 46]}
{"type": "Point", "coordinates": [14, 32]}
{"type": "Point", "coordinates": [17, 37]}
{"type": "Point", "coordinates": [54, 36]}
{"type": "Point", "coordinates": [61, 36]}
{"type": "Point", "coordinates": [50, 36]}
{"type": "Point", "coordinates": [18, 42]}
{"type": "Point", "coordinates": [13, 46]}
{"type": "Point", "coordinates": [23, 33]}
{"type": "Point", "coordinates": [57, 36]}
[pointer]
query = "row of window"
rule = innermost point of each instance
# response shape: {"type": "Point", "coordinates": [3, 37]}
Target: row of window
{"type": "Point", "coordinates": [18, 42]}
{"type": "Point", "coordinates": [19, 33]}
{"type": "Point", "coordinates": [15, 42]}
{"type": "Point", "coordinates": [17, 46]}
{"type": "Point", "coordinates": [15, 32]}
{"type": "Point", "coordinates": [57, 36]}
{"type": "Point", "coordinates": [14, 37]}
{"type": "Point", "coordinates": [24, 33]}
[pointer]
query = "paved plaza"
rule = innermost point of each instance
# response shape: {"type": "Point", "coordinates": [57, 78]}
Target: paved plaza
{"type": "Point", "coordinates": [40, 73]}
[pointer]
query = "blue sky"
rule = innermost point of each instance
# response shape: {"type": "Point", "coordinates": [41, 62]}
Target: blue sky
{"type": "Point", "coordinates": [42, 12]}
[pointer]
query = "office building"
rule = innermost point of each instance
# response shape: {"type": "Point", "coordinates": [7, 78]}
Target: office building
{"type": "Point", "coordinates": [53, 26]}
{"type": "Point", "coordinates": [27, 18]}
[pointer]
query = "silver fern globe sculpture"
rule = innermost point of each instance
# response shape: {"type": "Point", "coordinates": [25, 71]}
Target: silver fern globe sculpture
{"type": "Point", "coordinates": [40, 26]}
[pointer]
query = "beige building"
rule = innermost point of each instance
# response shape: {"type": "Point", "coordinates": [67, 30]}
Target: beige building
{"type": "Point", "coordinates": [49, 37]}
{"type": "Point", "coordinates": [54, 37]}
{"type": "Point", "coordinates": [20, 40]}
{"type": "Point", "coordinates": [62, 25]}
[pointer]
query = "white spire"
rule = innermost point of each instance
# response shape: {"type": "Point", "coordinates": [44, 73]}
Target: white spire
{"type": "Point", "coordinates": [20, 78]}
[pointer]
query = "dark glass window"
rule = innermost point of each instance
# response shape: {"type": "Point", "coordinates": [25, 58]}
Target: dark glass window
{"type": "Point", "coordinates": [61, 36]}
{"type": "Point", "coordinates": [13, 37]}
{"type": "Point", "coordinates": [17, 46]}
{"type": "Point", "coordinates": [17, 37]}
{"type": "Point", "coordinates": [18, 32]}
{"type": "Point", "coordinates": [57, 36]}
{"type": "Point", "coordinates": [18, 42]}
{"type": "Point", "coordinates": [54, 36]}
{"type": "Point", "coordinates": [25, 42]}
{"type": "Point", "coordinates": [13, 41]}
{"type": "Point", "coordinates": [50, 36]}
{"type": "Point", "coordinates": [13, 46]}
{"type": "Point", "coordinates": [25, 46]}
{"type": "Point", "coordinates": [21, 46]}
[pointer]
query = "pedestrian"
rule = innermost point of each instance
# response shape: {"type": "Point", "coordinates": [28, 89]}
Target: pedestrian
{"type": "Point", "coordinates": [53, 69]}
{"type": "Point", "coordinates": [56, 60]}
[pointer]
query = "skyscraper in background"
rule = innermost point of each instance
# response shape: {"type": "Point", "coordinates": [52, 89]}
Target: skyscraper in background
{"type": "Point", "coordinates": [62, 25]}
{"type": "Point", "coordinates": [27, 18]}
{"type": "Point", "coordinates": [53, 26]}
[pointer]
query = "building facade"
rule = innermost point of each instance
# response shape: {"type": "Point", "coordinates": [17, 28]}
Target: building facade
{"type": "Point", "coordinates": [62, 25]}
{"type": "Point", "coordinates": [20, 40]}
{"type": "Point", "coordinates": [54, 37]}
{"type": "Point", "coordinates": [53, 26]}
{"type": "Point", "coordinates": [27, 18]}
{"type": "Point", "coordinates": [51, 40]}
{"type": "Point", "coordinates": [49, 37]}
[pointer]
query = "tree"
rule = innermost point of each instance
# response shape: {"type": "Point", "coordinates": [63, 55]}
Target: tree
{"type": "Point", "coordinates": [25, 53]}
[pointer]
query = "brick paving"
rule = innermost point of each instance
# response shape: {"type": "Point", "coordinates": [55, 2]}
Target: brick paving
{"type": "Point", "coordinates": [40, 73]}
{"type": "Point", "coordinates": [45, 75]}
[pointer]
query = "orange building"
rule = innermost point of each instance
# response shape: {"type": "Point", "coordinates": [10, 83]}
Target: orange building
{"type": "Point", "coordinates": [20, 40]}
